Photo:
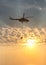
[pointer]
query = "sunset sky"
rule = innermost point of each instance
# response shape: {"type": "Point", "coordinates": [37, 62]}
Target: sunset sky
{"type": "Point", "coordinates": [19, 55]}
{"type": "Point", "coordinates": [23, 44]}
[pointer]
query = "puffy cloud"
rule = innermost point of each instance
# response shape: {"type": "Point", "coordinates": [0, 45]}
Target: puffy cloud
{"type": "Point", "coordinates": [17, 35]}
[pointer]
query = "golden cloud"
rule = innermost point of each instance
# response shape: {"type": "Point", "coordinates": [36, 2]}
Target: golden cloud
{"type": "Point", "coordinates": [16, 35]}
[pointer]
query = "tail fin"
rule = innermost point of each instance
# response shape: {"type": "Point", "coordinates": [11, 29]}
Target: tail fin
{"type": "Point", "coordinates": [23, 15]}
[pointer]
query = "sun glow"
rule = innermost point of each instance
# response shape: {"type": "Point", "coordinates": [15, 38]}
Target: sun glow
{"type": "Point", "coordinates": [31, 42]}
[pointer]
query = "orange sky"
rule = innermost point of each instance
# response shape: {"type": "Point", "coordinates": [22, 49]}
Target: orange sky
{"type": "Point", "coordinates": [22, 55]}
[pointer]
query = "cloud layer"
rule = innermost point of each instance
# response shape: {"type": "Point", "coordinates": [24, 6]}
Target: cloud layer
{"type": "Point", "coordinates": [19, 35]}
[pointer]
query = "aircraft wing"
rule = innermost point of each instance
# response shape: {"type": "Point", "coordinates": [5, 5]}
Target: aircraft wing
{"type": "Point", "coordinates": [12, 18]}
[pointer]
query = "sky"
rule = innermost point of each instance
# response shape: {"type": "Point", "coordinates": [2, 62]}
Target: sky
{"type": "Point", "coordinates": [21, 55]}
{"type": "Point", "coordinates": [12, 50]}
{"type": "Point", "coordinates": [14, 32]}
{"type": "Point", "coordinates": [16, 8]}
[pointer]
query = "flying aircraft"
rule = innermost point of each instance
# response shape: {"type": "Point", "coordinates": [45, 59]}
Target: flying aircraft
{"type": "Point", "coordinates": [23, 19]}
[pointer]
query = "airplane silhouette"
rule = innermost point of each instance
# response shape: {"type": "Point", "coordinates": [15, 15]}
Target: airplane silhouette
{"type": "Point", "coordinates": [23, 19]}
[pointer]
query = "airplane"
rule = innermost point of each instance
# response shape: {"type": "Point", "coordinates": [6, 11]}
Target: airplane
{"type": "Point", "coordinates": [23, 19]}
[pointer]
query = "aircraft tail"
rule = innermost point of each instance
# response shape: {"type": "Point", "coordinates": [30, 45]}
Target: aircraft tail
{"type": "Point", "coordinates": [23, 15]}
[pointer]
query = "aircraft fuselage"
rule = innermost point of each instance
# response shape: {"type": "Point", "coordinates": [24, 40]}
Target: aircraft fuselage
{"type": "Point", "coordinates": [23, 19]}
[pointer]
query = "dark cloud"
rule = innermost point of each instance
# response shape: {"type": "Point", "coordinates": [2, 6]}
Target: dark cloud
{"type": "Point", "coordinates": [16, 8]}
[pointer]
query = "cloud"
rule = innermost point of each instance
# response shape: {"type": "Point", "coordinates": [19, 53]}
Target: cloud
{"type": "Point", "coordinates": [18, 35]}
{"type": "Point", "coordinates": [16, 8]}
